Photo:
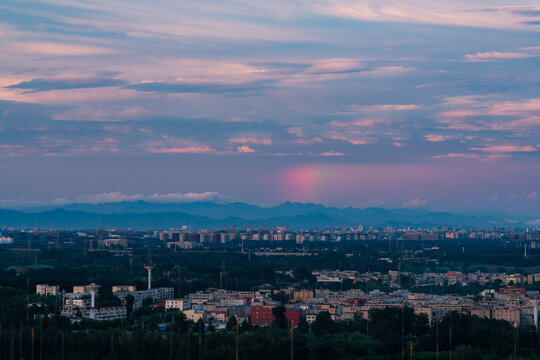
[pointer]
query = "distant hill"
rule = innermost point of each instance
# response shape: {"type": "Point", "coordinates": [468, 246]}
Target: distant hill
{"type": "Point", "coordinates": [144, 215]}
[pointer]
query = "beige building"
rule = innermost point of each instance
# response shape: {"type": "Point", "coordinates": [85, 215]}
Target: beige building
{"type": "Point", "coordinates": [45, 289]}
{"type": "Point", "coordinates": [117, 288]}
{"type": "Point", "coordinates": [303, 295]}
{"type": "Point", "coordinates": [481, 312]}
{"type": "Point", "coordinates": [174, 304]}
{"type": "Point", "coordinates": [194, 315]}
{"type": "Point", "coordinates": [512, 315]}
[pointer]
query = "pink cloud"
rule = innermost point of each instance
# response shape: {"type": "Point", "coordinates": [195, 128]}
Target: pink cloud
{"type": "Point", "coordinates": [10, 147]}
{"type": "Point", "coordinates": [107, 141]}
{"type": "Point", "coordinates": [244, 149]}
{"type": "Point", "coordinates": [512, 115]}
{"type": "Point", "coordinates": [348, 139]}
{"type": "Point", "coordinates": [457, 156]}
{"type": "Point", "coordinates": [93, 149]}
{"type": "Point", "coordinates": [494, 157]}
{"type": "Point", "coordinates": [194, 149]}
{"type": "Point", "coordinates": [301, 137]}
{"type": "Point", "coordinates": [296, 132]}
{"type": "Point", "coordinates": [332, 153]}
{"type": "Point", "coordinates": [359, 123]}
{"type": "Point", "coordinates": [414, 203]}
{"type": "Point", "coordinates": [251, 140]}
{"type": "Point", "coordinates": [524, 196]}
{"type": "Point", "coordinates": [511, 107]}
{"type": "Point", "coordinates": [242, 120]}
{"type": "Point", "coordinates": [384, 71]}
{"type": "Point", "coordinates": [335, 66]}
{"type": "Point", "coordinates": [98, 114]}
{"type": "Point", "coordinates": [305, 141]}
{"type": "Point", "coordinates": [531, 48]}
{"type": "Point", "coordinates": [496, 55]}
{"type": "Point", "coordinates": [388, 107]}
{"type": "Point", "coordinates": [117, 196]}
{"type": "Point", "coordinates": [525, 122]}
{"type": "Point", "coordinates": [504, 148]}
{"type": "Point", "coordinates": [59, 49]}
{"type": "Point", "coordinates": [437, 138]}
{"type": "Point", "coordinates": [454, 12]}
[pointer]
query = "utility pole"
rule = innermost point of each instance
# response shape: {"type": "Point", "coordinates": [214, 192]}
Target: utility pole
{"type": "Point", "coordinates": [27, 298]}
{"type": "Point", "coordinates": [437, 336]}
{"type": "Point", "coordinates": [450, 333]}
{"type": "Point", "coordinates": [292, 339]}
{"type": "Point", "coordinates": [12, 345]}
{"type": "Point", "coordinates": [236, 341]}
{"type": "Point", "coordinates": [170, 343]}
{"type": "Point", "coordinates": [516, 339]}
{"type": "Point", "coordinates": [112, 345]}
{"type": "Point", "coordinates": [402, 331]}
{"type": "Point", "coordinates": [200, 345]}
{"type": "Point", "coordinates": [20, 339]}
{"type": "Point", "coordinates": [33, 338]}
{"type": "Point", "coordinates": [41, 338]}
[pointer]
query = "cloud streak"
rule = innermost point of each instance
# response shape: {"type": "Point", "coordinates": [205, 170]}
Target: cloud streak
{"type": "Point", "coordinates": [37, 85]}
{"type": "Point", "coordinates": [199, 88]}
{"type": "Point", "coordinates": [496, 55]}
{"type": "Point", "coordinates": [453, 12]}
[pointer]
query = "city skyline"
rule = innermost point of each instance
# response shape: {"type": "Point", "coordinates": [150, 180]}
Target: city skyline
{"type": "Point", "coordinates": [345, 103]}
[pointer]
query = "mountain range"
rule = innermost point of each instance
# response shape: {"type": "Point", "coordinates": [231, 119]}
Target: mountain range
{"type": "Point", "coordinates": [212, 215]}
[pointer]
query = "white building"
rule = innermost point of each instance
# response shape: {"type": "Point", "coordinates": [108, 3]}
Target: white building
{"type": "Point", "coordinates": [174, 304]}
{"type": "Point", "coordinates": [107, 313]}
{"type": "Point", "coordinates": [6, 240]}
{"type": "Point", "coordinates": [157, 295]}
{"type": "Point", "coordinates": [45, 289]}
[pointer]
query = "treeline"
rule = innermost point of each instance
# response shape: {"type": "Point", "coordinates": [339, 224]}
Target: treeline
{"type": "Point", "coordinates": [158, 334]}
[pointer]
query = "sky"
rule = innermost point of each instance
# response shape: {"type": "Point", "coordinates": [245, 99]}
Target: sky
{"type": "Point", "coordinates": [421, 104]}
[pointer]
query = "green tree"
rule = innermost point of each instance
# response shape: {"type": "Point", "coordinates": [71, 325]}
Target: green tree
{"type": "Point", "coordinates": [130, 301]}
{"type": "Point", "coordinates": [231, 324]}
{"type": "Point", "coordinates": [245, 326]}
{"type": "Point", "coordinates": [280, 320]}
{"type": "Point", "coordinates": [148, 302]}
{"type": "Point", "coordinates": [323, 323]}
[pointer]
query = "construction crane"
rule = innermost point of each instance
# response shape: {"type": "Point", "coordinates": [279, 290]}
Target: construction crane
{"type": "Point", "coordinates": [175, 268]}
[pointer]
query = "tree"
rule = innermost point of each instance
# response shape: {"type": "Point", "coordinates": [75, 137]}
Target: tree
{"type": "Point", "coordinates": [280, 320]}
{"type": "Point", "coordinates": [406, 281]}
{"type": "Point", "coordinates": [130, 301]}
{"type": "Point", "coordinates": [282, 297]}
{"type": "Point", "coordinates": [245, 326]}
{"type": "Point", "coordinates": [323, 323]}
{"type": "Point", "coordinates": [303, 327]}
{"type": "Point", "coordinates": [148, 302]}
{"type": "Point", "coordinates": [231, 324]}
{"type": "Point", "coordinates": [199, 326]}
{"type": "Point", "coordinates": [385, 325]}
